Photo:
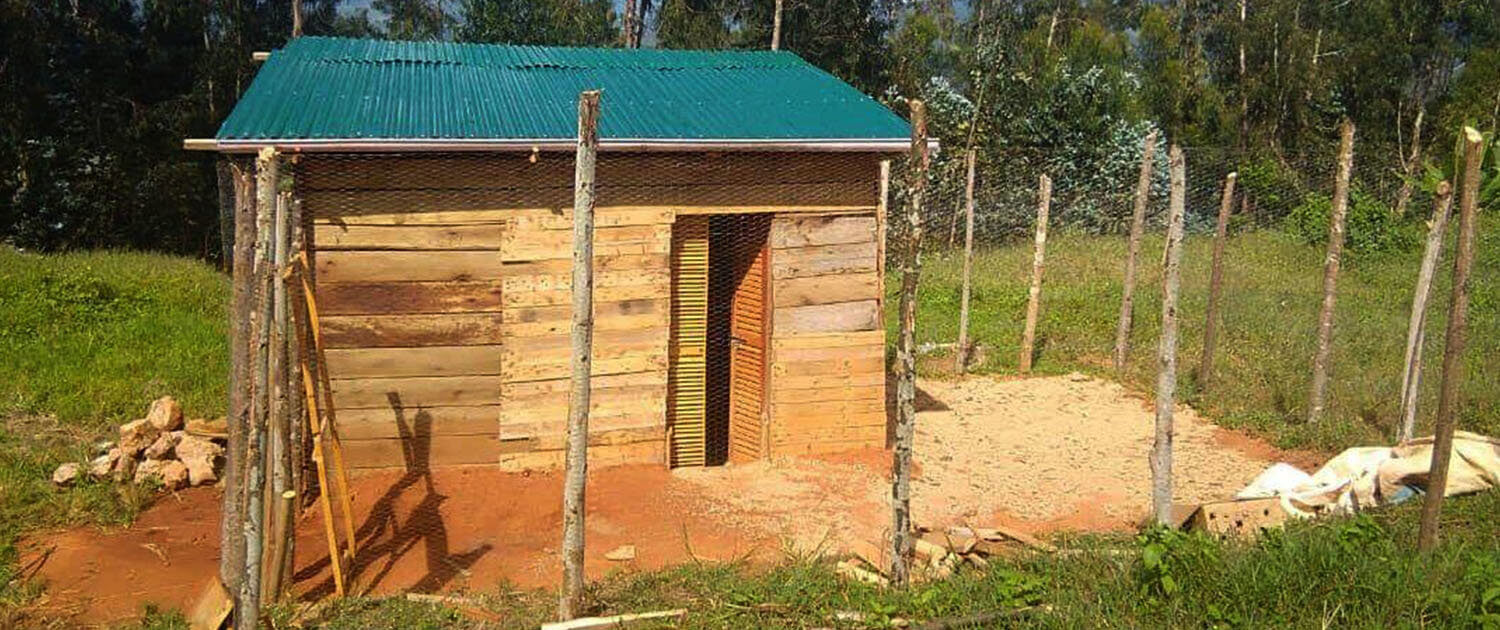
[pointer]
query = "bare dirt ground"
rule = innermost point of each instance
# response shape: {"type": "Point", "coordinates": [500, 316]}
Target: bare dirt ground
{"type": "Point", "coordinates": [1039, 454]}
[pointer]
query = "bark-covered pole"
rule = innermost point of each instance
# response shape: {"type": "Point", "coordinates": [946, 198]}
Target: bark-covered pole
{"type": "Point", "coordinates": [1038, 264]}
{"type": "Point", "coordinates": [278, 426]}
{"type": "Point", "coordinates": [906, 352]}
{"type": "Point", "coordinates": [1216, 284]}
{"type": "Point", "coordinates": [961, 353]}
{"type": "Point", "coordinates": [776, 28]}
{"type": "Point", "coordinates": [247, 609]}
{"type": "Point", "coordinates": [575, 466]}
{"type": "Point", "coordinates": [296, 18]}
{"type": "Point", "coordinates": [1166, 378]}
{"type": "Point", "coordinates": [237, 421]}
{"type": "Point", "coordinates": [1453, 345]}
{"type": "Point", "coordinates": [1137, 229]}
{"type": "Point", "coordinates": [1416, 329]}
{"type": "Point", "coordinates": [1319, 396]}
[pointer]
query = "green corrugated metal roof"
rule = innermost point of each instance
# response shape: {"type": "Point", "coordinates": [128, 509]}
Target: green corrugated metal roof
{"type": "Point", "coordinates": [332, 88]}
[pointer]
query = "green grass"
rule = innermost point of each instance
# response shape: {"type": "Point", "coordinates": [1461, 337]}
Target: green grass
{"type": "Point", "coordinates": [87, 340]}
{"type": "Point", "coordinates": [1361, 572]}
{"type": "Point", "coordinates": [1263, 368]}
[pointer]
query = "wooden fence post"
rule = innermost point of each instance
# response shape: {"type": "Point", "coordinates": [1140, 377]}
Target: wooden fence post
{"type": "Point", "coordinates": [1453, 345]}
{"type": "Point", "coordinates": [237, 421]}
{"type": "Point", "coordinates": [278, 518]}
{"type": "Point", "coordinates": [906, 352]}
{"type": "Point", "coordinates": [1416, 329]}
{"type": "Point", "coordinates": [776, 28]}
{"type": "Point", "coordinates": [1137, 228]}
{"type": "Point", "coordinates": [1166, 378]}
{"type": "Point", "coordinates": [1319, 395]}
{"type": "Point", "coordinates": [247, 609]}
{"type": "Point", "coordinates": [1216, 284]}
{"type": "Point", "coordinates": [961, 353]}
{"type": "Point", "coordinates": [575, 464]}
{"type": "Point", "coordinates": [1038, 260]}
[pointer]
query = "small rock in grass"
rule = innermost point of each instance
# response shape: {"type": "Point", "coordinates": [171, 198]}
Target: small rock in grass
{"type": "Point", "coordinates": [200, 456]}
{"type": "Point", "coordinates": [65, 474]}
{"type": "Point", "coordinates": [136, 436]}
{"type": "Point", "coordinates": [165, 414]}
{"type": "Point", "coordinates": [173, 474]}
{"type": "Point", "coordinates": [147, 469]}
{"type": "Point", "coordinates": [623, 553]}
{"type": "Point", "coordinates": [162, 447]}
{"type": "Point", "coordinates": [104, 464]}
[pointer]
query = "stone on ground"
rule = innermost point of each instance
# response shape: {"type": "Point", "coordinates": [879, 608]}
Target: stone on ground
{"type": "Point", "coordinates": [165, 414]}
{"type": "Point", "coordinates": [137, 436]}
{"type": "Point", "coordinates": [173, 474]}
{"type": "Point", "coordinates": [65, 474]}
{"type": "Point", "coordinates": [623, 553]}
{"type": "Point", "coordinates": [162, 447]}
{"type": "Point", "coordinates": [199, 455]}
{"type": "Point", "coordinates": [104, 464]}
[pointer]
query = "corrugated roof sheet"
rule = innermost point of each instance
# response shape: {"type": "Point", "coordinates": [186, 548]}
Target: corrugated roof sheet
{"type": "Point", "coordinates": [335, 88]}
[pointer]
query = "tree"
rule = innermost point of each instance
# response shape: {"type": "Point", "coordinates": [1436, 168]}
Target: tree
{"type": "Point", "coordinates": [538, 22]}
{"type": "Point", "coordinates": [415, 19]}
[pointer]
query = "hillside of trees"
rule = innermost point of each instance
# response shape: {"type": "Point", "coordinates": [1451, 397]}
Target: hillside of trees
{"type": "Point", "coordinates": [97, 95]}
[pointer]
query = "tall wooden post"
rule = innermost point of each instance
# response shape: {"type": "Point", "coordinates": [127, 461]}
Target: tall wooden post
{"type": "Point", "coordinates": [576, 460]}
{"type": "Point", "coordinates": [961, 354]}
{"type": "Point", "coordinates": [237, 421]}
{"type": "Point", "coordinates": [1416, 329]}
{"type": "Point", "coordinates": [247, 608]}
{"type": "Point", "coordinates": [278, 506]}
{"type": "Point", "coordinates": [906, 352]}
{"type": "Point", "coordinates": [296, 18]}
{"type": "Point", "coordinates": [1453, 345]}
{"type": "Point", "coordinates": [1319, 395]}
{"type": "Point", "coordinates": [1038, 263]}
{"type": "Point", "coordinates": [776, 28]}
{"type": "Point", "coordinates": [1137, 229]}
{"type": "Point", "coordinates": [1216, 283]}
{"type": "Point", "coordinates": [1166, 378]}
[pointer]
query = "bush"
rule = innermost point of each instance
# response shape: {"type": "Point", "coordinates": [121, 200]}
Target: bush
{"type": "Point", "coordinates": [1370, 228]}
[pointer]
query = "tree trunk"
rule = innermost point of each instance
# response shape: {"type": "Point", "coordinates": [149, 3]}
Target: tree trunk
{"type": "Point", "coordinates": [575, 465]}
{"type": "Point", "coordinates": [627, 24]}
{"type": "Point", "coordinates": [1319, 396]}
{"type": "Point", "coordinates": [776, 28]}
{"type": "Point", "coordinates": [1215, 284]}
{"type": "Point", "coordinates": [296, 18]}
{"type": "Point", "coordinates": [1416, 328]}
{"type": "Point", "coordinates": [237, 421]}
{"type": "Point", "coordinates": [1166, 379]}
{"type": "Point", "coordinates": [1411, 164]}
{"type": "Point", "coordinates": [906, 353]}
{"type": "Point", "coordinates": [961, 353]}
{"type": "Point", "coordinates": [1453, 345]}
{"type": "Point", "coordinates": [247, 609]}
{"type": "Point", "coordinates": [1038, 260]}
{"type": "Point", "coordinates": [1137, 228]}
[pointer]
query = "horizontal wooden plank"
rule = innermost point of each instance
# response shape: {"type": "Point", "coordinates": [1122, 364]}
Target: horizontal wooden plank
{"type": "Point", "coordinates": [353, 206]}
{"type": "Point", "coordinates": [834, 393]}
{"type": "Point", "coordinates": [544, 244]}
{"type": "Point", "coordinates": [853, 427]}
{"type": "Point", "coordinates": [819, 354]}
{"type": "Point", "coordinates": [411, 331]}
{"type": "Point", "coordinates": [521, 371]}
{"type": "Point", "coordinates": [521, 283]}
{"type": "Point", "coordinates": [602, 310]}
{"type": "Point", "coordinates": [652, 451]}
{"type": "Point", "coordinates": [599, 386]}
{"type": "Point", "coordinates": [791, 382]}
{"type": "Point", "coordinates": [400, 266]}
{"type": "Point", "coordinates": [825, 230]}
{"type": "Point", "coordinates": [829, 368]}
{"type": "Point", "coordinates": [603, 264]}
{"type": "Point", "coordinates": [332, 236]}
{"type": "Point", "coordinates": [829, 412]}
{"type": "Point", "coordinates": [828, 446]}
{"type": "Point", "coordinates": [420, 454]}
{"type": "Point", "coordinates": [549, 429]}
{"type": "Point", "coordinates": [346, 363]}
{"type": "Point", "coordinates": [652, 291]}
{"type": "Point", "coordinates": [813, 290]}
{"type": "Point", "coordinates": [342, 298]}
{"type": "Point", "coordinates": [841, 317]}
{"type": "Point", "coordinates": [824, 260]}
{"type": "Point", "coordinates": [782, 341]}
{"type": "Point", "coordinates": [368, 424]}
{"type": "Point", "coordinates": [415, 391]}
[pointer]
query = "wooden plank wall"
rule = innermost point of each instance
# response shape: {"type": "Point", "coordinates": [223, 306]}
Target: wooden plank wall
{"type": "Point", "coordinates": [444, 281]}
{"type": "Point", "coordinates": [828, 344]}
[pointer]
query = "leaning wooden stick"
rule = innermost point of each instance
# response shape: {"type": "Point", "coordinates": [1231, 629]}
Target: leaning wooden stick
{"type": "Point", "coordinates": [575, 466]}
{"type": "Point", "coordinates": [961, 354]}
{"type": "Point", "coordinates": [1416, 329]}
{"type": "Point", "coordinates": [1216, 284]}
{"type": "Point", "coordinates": [1166, 379]}
{"type": "Point", "coordinates": [906, 352]}
{"type": "Point", "coordinates": [1137, 229]}
{"type": "Point", "coordinates": [1038, 264]}
{"type": "Point", "coordinates": [1453, 345]}
{"type": "Point", "coordinates": [1319, 395]}
{"type": "Point", "coordinates": [316, 433]}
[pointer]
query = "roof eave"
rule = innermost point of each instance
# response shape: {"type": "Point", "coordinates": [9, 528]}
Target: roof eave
{"type": "Point", "coordinates": [416, 145]}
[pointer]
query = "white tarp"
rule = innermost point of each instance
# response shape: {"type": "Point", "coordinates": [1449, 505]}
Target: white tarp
{"type": "Point", "coordinates": [1369, 476]}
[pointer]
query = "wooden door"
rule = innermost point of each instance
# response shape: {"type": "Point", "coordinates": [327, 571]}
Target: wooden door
{"type": "Point", "coordinates": [687, 434]}
{"type": "Point", "coordinates": [749, 331]}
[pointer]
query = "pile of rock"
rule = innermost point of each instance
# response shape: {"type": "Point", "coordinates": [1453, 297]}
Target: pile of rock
{"type": "Point", "coordinates": [159, 446]}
